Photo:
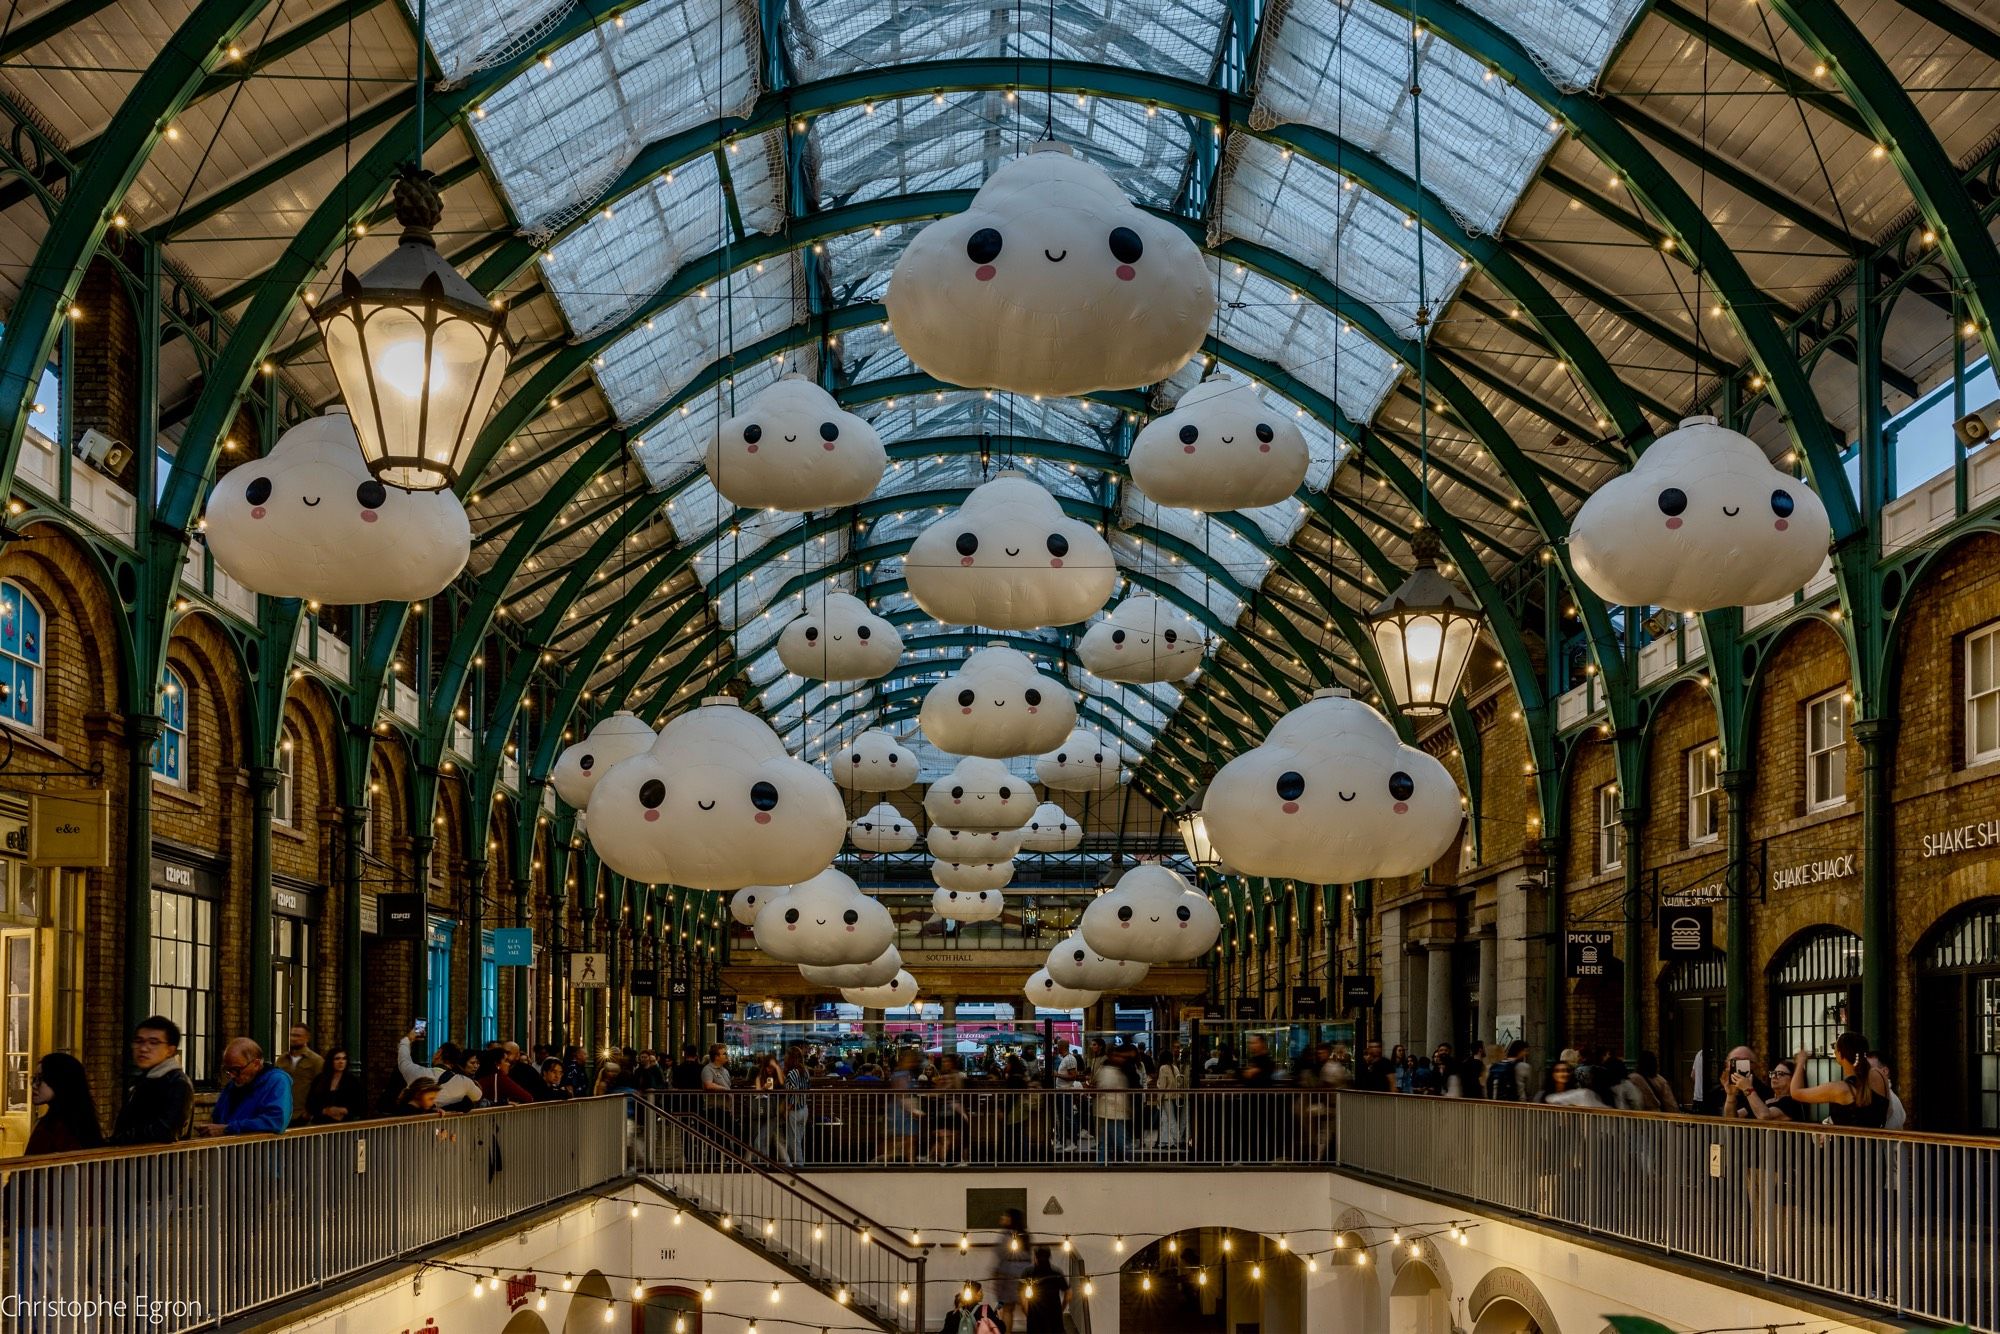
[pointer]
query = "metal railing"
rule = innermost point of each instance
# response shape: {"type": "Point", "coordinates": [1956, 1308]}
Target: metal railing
{"type": "Point", "coordinates": [853, 1257]}
{"type": "Point", "coordinates": [1908, 1224]}
{"type": "Point", "coordinates": [217, 1228]}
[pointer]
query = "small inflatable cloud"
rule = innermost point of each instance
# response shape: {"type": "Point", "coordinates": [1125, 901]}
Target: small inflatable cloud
{"type": "Point", "coordinates": [1051, 829]}
{"type": "Point", "coordinates": [1084, 762]}
{"type": "Point", "coordinates": [792, 447]}
{"type": "Point", "coordinates": [745, 902]}
{"type": "Point", "coordinates": [577, 769]}
{"type": "Point", "coordinates": [898, 992]}
{"type": "Point", "coordinates": [1072, 963]}
{"type": "Point", "coordinates": [972, 876]}
{"type": "Point", "coordinates": [1010, 559]}
{"type": "Point", "coordinates": [980, 794]}
{"type": "Point", "coordinates": [1044, 993]}
{"type": "Point", "coordinates": [826, 920]}
{"type": "Point", "coordinates": [716, 803]}
{"type": "Point", "coordinates": [1221, 448]}
{"type": "Point", "coordinates": [1332, 796]}
{"type": "Point", "coordinates": [1702, 521]}
{"type": "Point", "coordinates": [1052, 282]}
{"type": "Point", "coordinates": [308, 520]}
{"type": "Point", "coordinates": [1153, 916]}
{"type": "Point", "coordinates": [997, 705]}
{"type": "Point", "coordinates": [973, 845]}
{"type": "Point", "coordinates": [842, 975]}
{"type": "Point", "coordinates": [875, 762]}
{"type": "Point", "coordinates": [1143, 639]}
{"type": "Point", "coordinates": [882, 828]}
{"type": "Point", "coordinates": [968, 905]}
{"type": "Point", "coordinates": [836, 638]}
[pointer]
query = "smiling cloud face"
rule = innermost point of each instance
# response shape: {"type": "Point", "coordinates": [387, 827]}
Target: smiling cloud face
{"type": "Point", "coordinates": [310, 521]}
{"type": "Point", "coordinates": [1051, 829]}
{"type": "Point", "coordinates": [792, 447]}
{"type": "Point", "coordinates": [971, 877]}
{"type": "Point", "coordinates": [968, 905]}
{"type": "Point", "coordinates": [836, 638]}
{"type": "Point", "coordinates": [1052, 282]}
{"type": "Point", "coordinates": [1143, 639]}
{"type": "Point", "coordinates": [1221, 448]}
{"type": "Point", "coordinates": [875, 762]}
{"type": "Point", "coordinates": [997, 705]}
{"type": "Point", "coordinates": [1084, 762]}
{"type": "Point", "coordinates": [841, 975]}
{"type": "Point", "coordinates": [1072, 963]}
{"type": "Point", "coordinates": [1045, 993]}
{"type": "Point", "coordinates": [1702, 521]}
{"type": "Point", "coordinates": [897, 992]}
{"type": "Point", "coordinates": [824, 921]}
{"type": "Point", "coordinates": [882, 828]}
{"type": "Point", "coordinates": [1010, 559]}
{"type": "Point", "coordinates": [745, 902]}
{"type": "Point", "coordinates": [974, 845]}
{"type": "Point", "coordinates": [1153, 916]}
{"type": "Point", "coordinates": [577, 769]}
{"type": "Point", "coordinates": [1332, 797]}
{"type": "Point", "coordinates": [979, 794]}
{"type": "Point", "coordinates": [716, 803]}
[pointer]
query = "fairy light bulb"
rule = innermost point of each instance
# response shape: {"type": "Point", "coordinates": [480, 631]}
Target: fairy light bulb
{"type": "Point", "coordinates": [680, 1324]}
{"type": "Point", "coordinates": [1145, 1282]}
{"type": "Point", "coordinates": [1361, 1258]}
{"type": "Point", "coordinates": [916, 1238]}
{"type": "Point", "coordinates": [638, 1291]}
{"type": "Point", "coordinates": [1284, 1241]}
{"type": "Point", "coordinates": [770, 1227]}
{"type": "Point", "coordinates": [864, 1236]}
{"type": "Point", "coordinates": [478, 1286]}
{"type": "Point", "coordinates": [1014, 1242]}
{"type": "Point", "coordinates": [1118, 1244]}
{"type": "Point", "coordinates": [610, 1313]}
{"type": "Point", "coordinates": [1256, 1270]}
{"type": "Point", "coordinates": [1028, 1291]}
{"type": "Point", "coordinates": [965, 1293]}
{"type": "Point", "coordinates": [708, 1292]}
{"type": "Point", "coordinates": [965, 1242]}
{"type": "Point", "coordinates": [1201, 1278]}
{"type": "Point", "coordinates": [841, 1296]}
{"type": "Point", "coordinates": [775, 1294]}
{"type": "Point", "coordinates": [1312, 1265]}
{"type": "Point", "coordinates": [727, 1222]}
{"type": "Point", "coordinates": [569, 1281]}
{"type": "Point", "coordinates": [1173, 1244]}
{"type": "Point", "coordinates": [1066, 1246]}
{"type": "Point", "coordinates": [677, 1218]}
{"type": "Point", "coordinates": [633, 1212]}
{"type": "Point", "coordinates": [1340, 1243]}
{"type": "Point", "coordinates": [1415, 1250]}
{"type": "Point", "coordinates": [1089, 1288]}
{"type": "Point", "coordinates": [1396, 1237]}
{"type": "Point", "coordinates": [819, 1233]}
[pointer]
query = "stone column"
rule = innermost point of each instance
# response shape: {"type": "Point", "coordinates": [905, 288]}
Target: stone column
{"type": "Point", "coordinates": [1437, 993]}
{"type": "Point", "coordinates": [1518, 911]}
{"type": "Point", "coordinates": [1398, 978]}
{"type": "Point", "coordinates": [1489, 988]}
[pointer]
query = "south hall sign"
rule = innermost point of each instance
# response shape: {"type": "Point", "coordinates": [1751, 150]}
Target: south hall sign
{"type": "Point", "coordinates": [1964, 838]}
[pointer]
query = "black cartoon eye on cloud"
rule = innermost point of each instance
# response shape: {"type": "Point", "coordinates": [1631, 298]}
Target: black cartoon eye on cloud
{"type": "Point", "coordinates": [874, 762]}
{"type": "Point", "coordinates": [1702, 521]}
{"type": "Point", "coordinates": [979, 794]}
{"type": "Point", "coordinates": [969, 905]}
{"type": "Point", "coordinates": [997, 705]}
{"type": "Point", "coordinates": [793, 447]}
{"type": "Point", "coordinates": [1045, 993]}
{"type": "Point", "coordinates": [897, 992]}
{"type": "Point", "coordinates": [842, 975]}
{"type": "Point", "coordinates": [1084, 762]}
{"type": "Point", "coordinates": [826, 920]}
{"type": "Point", "coordinates": [882, 828]}
{"type": "Point", "coordinates": [1052, 282]}
{"type": "Point", "coordinates": [1143, 639]}
{"type": "Point", "coordinates": [745, 902]}
{"type": "Point", "coordinates": [1073, 963]}
{"type": "Point", "coordinates": [836, 638]}
{"type": "Point", "coordinates": [716, 803]}
{"type": "Point", "coordinates": [971, 877]}
{"type": "Point", "coordinates": [1221, 448]}
{"type": "Point", "coordinates": [617, 737]}
{"type": "Point", "coordinates": [1051, 829]}
{"type": "Point", "coordinates": [1153, 916]}
{"type": "Point", "coordinates": [1010, 559]}
{"type": "Point", "coordinates": [1332, 796]}
{"type": "Point", "coordinates": [308, 520]}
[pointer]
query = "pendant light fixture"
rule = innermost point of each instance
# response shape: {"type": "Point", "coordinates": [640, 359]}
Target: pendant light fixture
{"type": "Point", "coordinates": [1193, 828]}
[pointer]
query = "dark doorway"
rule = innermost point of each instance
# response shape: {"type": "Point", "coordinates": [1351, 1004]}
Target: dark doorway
{"type": "Point", "coordinates": [1213, 1281]}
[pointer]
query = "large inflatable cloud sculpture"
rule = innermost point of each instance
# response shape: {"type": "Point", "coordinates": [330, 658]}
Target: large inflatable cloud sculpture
{"type": "Point", "coordinates": [745, 902]}
{"type": "Point", "coordinates": [1010, 559]}
{"type": "Point", "coordinates": [1702, 521]}
{"type": "Point", "coordinates": [1221, 448]}
{"type": "Point", "coordinates": [836, 638]}
{"type": "Point", "coordinates": [716, 803]}
{"type": "Point", "coordinates": [1153, 916]}
{"type": "Point", "coordinates": [1073, 963]}
{"type": "Point", "coordinates": [1143, 639]}
{"type": "Point", "coordinates": [308, 520]}
{"type": "Point", "coordinates": [898, 992]}
{"type": "Point", "coordinates": [617, 737]}
{"type": "Point", "coordinates": [882, 828]}
{"type": "Point", "coordinates": [996, 705]}
{"type": "Point", "coordinates": [1332, 796]}
{"type": "Point", "coordinates": [826, 920]}
{"type": "Point", "coordinates": [1084, 762]}
{"type": "Point", "coordinates": [874, 762]}
{"type": "Point", "coordinates": [974, 845]}
{"type": "Point", "coordinates": [1051, 829]}
{"type": "Point", "coordinates": [792, 447]}
{"type": "Point", "coordinates": [972, 876]}
{"type": "Point", "coordinates": [980, 794]}
{"type": "Point", "coordinates": [841, 975]}
{"type": "Point", "coordinates": [1052, 282]}
{"type": "Point", "coordinates": [1044, 993]}
{"type": "Point", "coordinates": [968, 905]}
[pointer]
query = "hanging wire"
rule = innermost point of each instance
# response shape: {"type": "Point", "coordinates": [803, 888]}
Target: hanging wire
{"type": "Point", "coordinates": [1049, 127]}
{"type": "Point", "coordinates": [1423, 286]}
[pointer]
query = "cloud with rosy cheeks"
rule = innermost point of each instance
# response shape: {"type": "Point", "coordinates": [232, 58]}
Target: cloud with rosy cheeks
{"type": "Point", "coordinates": [897, 992]}
{"type": "Point", "coordinates": [793, 447]}
{"type": "Point", "coordinates": [1051, 829]}
{"type": "Point", "coordinates": [973, 845]}
{"type": "Point", "coordinates": [841, 975]}
{"type": "Point", "coordinates": [980, 794]}
{"type": "Point", "coordinates": [308, 520]}
{"type": "Point", "coordinates": [996, 705]}
{"type": "Point", "coordinates": [882, 828]}
{"type": "Point", "coordinates": [825, 921]}
{"type": "Point", "coordinates": [1152, 915]}
{"type": "Point", "coordinates": [1008, 558]}
{"type": "Point", "coordinates": [1331, 797]}
{"type": "Point", "coordinates": [1051, 282]}
{"type": "Point", "coordinates": [836, 638]}
{"type": "Point", "coordinates": [968, 905]}
{"type": "Point", "coordinates": [1141, 640]}
{"type": "Point", "coordinates": [972, 876]}
{"type": "Point", "coordinates": [1045, 993]}
{"type": "Point", "coordinates": [874, 762]}
{"type": "Point", "coordinates": [618, 737]}
{"type": "Point", "coordinates": [1221, 448]}
{"type": "Point", "coordinates": [1073, 963]}
{"type": "Point", "coordinates": [1084, 762]}
{"type": "Point", "coordinates": [745, 902]}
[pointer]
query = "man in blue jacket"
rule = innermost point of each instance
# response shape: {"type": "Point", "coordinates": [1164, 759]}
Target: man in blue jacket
{"type": "Point", "coordinates": [256, 1098]}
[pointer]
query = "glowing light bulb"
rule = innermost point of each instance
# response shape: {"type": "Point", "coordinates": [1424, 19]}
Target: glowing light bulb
{"type": "Point", "coordinates": [708, 1292]}
{"type": "Point", "coordinates": [569, 1281]}
{"type": "Point", "coordinates": [964, 1242]}
{"type": "Point", "coordinates": [401, 364]}
{"type": "Point", "coordinates": [1089, 1288]}
{"type": "Point", "coordinates": [1118, 1245]}
{"type": "Point", "coordinates": [1256, 1270]}
{"type": "Point", "coordinates": [1145, 1282]}
{"type": "Point", "coordinates": [610, 1312]}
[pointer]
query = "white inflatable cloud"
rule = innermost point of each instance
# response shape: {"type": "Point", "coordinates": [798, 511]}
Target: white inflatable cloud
{"type": "Point", "coordinates": [1331, 797]}
{"type": "Point", "coordinates": [745, 902]}
{"type": "Point", "coordinates": [1151, 915]}
{"type": "Point", "coordinates": [792, 447]}
{"type": "Point", "coordinates": [972, 876]}
{"type": "Point", "coordinates": [1702, 521]}
{"type": "Point", "coordinates": [968, 905]}
{"type": "Point", "coordinates": [974, 845]}
{"type": "Point", "coordinates": [996, 705]}
{"type": "Point", "coordinates": [1143, 639]}
{"type": "Point", "coordinates": [308, 520]}
{"type": "Point", "coordinates": [1010, 559]}
{"type": "Point", "coordinates": [1052, 282]}
{"type": "Point", "coordinates": [836, 638]}
{"type": "Point", "coordinates": [842, 975]}
{"type": "Point", "coordinates": [1051, 829]}
{"type": "Point", "coordinates": [1221, 448]}
{"type": "Point", "coordinates": [826, 920]}
{"type": "Point", "coordinates": [618, 737]}
{"type": "Point", "coordinates": [1072, 963]}
{"type": "Point", "coordinates": [898, 992]}
{"type": "Point", "coordinates": [1044, 993]}
{"type": "Point", "coordinates": [716, 803]}
{"type": "Point", "coordinates": [980, 794]}
{"type": "Point", "coordinates": [875, 762]}
{"type": "Point", "coordinates": [882, 828]}
{"type": "Point", "coordinates": [1084, 762]}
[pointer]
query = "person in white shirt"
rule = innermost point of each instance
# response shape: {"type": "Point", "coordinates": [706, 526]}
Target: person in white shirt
{"type": "Point", "coordinates": [454, 1089]}
{"type": "Point", "coordinates": [1069, 1079]}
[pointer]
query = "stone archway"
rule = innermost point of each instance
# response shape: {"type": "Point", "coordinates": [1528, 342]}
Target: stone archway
{"type": "Point", "coordinates": [592, 1299]}
{"type": "Point", "coordinates": [1420, 1296]}
{"type": "Point", "coordinates": [1212, 1281]}
{"type": "Point", "coordinates": [1506, 1301]}
{"type": "Point", "coordinates": [525, 1322]}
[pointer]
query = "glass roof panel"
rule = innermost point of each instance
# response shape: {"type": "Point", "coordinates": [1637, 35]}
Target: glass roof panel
{"type": "Point", "coordinates": [469, 35]}
{"type": "Point", "coordinates": [1571, 41]}
{"type": "Point", "coordinates": [653, 362]}
{"type": "Point", "coordinates": [559, 132]}
{"type": "Point", "coordinates": [1275, 323]}
{"type": "Point", "coordinates": [1345, 66]}
{"type": "Point", "coordinates": [674, 445]}
{"type": "Point", "coordinates": [1135, 553]}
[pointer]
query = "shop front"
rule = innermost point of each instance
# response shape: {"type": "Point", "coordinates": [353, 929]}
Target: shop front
{"type": "Point", "coordinates": [187, 894]}
{"type": "Point", "coordinates": [1958, 1036]}
{"type": "Point", "coordinates": [295, 926]}
{"type": "Point", "coordinates": [41, 967]}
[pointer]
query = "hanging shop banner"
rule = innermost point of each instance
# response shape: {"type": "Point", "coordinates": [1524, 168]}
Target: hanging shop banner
{"type": "Point", "coordinates": [401, 916]}
{"type": "Point", "coordinates": [709, 997]}
{"type": "Point", "coordinates": [725, 1005]}
{"type": "Point", "coordinates": [645, 981]}
{"type": "Point", "coordinates": [1305, 1002]}
{"type": "Point", "coordinates": [514, 946]}
{"type": "Point", "coordinates": [1213, 1010]}
{"type": "Point", "coordinates": [1587, 953]}
{"type": "Point", "coordinates": [1358, 992]}
{"type": "Point", "coordinates": [70, 829]}
{"type": "Point", "coordinates": [1249, 1007]}
{"type": "Point", "coordinates": [589, 969]}
{"type": "Point", "coordinates": [677, 988]}
{"type": "Point", "coordinates": [1686, 932]}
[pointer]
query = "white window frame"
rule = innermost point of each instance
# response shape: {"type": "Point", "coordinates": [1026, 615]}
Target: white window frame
{"type": "Point", "coordinates": [36, 664]}
{"type": "Point", "coordinates": [285, 796]}
{"type": "Point", "coordinates": [1704, 794]}
{"type": "Point", "coordinates": [1830, 756]}
{"type": "Point", "coordinates": [172, 685]}
{"type": "Point", "coordinates": [1610, 830]}
{"type": "Point", "coordinates": [1982, 701]}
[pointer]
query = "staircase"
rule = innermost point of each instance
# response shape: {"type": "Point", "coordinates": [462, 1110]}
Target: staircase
{"type": "Point", "coordinates": [793, 1223]}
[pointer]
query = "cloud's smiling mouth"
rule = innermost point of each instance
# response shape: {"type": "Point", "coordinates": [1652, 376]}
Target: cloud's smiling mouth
{"type": "Point", "coordinates": [1346, 796]}
{"type": "Point", "coordinates": [1055, 259]}
{"type": "Point", "coordinates": [1013, 551]}
{"type": "Point", "coordinates": [998, 703]}
{"type": "Point", "coordinates": [1732, 513]}
{"type": "Point", "coordinates": [822, 922]}
{"type": "Point", "coordinates": [791, 439]}
{"type": "Point", "coordinates": [311, 501]}
{"type": "Point", "coordinates": [837, 639]}
{"type": "Point", "coordinates": [1228, 439]}
{"type": "Point", "coordinates": [706, 805]}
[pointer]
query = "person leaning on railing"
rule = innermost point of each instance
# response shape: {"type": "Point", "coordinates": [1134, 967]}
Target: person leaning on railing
{"type": "Point", "coordinates": [159, 1105]}
{"type": "Point", "coordinates": [256, 1098]}
{"type": "Point", "coordinates": [1860, 1097]}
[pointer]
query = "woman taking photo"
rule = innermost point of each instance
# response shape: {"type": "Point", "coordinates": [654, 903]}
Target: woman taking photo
{"type": "Point", "coordinates": [338, 1095]}
{"type": "Point", "coordinates": [1860, 1097]}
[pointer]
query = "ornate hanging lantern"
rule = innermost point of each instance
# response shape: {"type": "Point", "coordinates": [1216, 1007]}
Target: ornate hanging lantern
{"type": "Point", "coordinates": [1424, 633]}
{"type": "Point", "coordinates": [1193, 828]}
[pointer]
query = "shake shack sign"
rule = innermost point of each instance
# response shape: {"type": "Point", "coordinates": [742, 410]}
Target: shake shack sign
{"type": "Point", "coordinates": [1814, 872]}
{"type": "Point", "coordinates": [1963, 838]}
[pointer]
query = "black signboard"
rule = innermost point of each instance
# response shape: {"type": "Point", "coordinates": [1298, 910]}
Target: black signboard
{"type": "Point", "coordinates": [1249, 1007]}
{"type": "Point", "coordinates": [709, 996]}
{"type": "Point", "coordinates": [677, 988]}
{"type": "Point", "coordinates": [1358, 993]}
{"type": "Point", "coordinates": [401, 917]}
{"type": "Point", "coordinates": [725, 1004]}
{"type": "Point", "coordinates": [645, 981]}
{"type": "Point", "coordinates": [1686, 932]}
{"type": "Point", "coordinates": [1212, 1010]}
{"type": "Point", "coordinates": [1587, 953]}
{"type": "Point", "coordinates": [1305, 1002]}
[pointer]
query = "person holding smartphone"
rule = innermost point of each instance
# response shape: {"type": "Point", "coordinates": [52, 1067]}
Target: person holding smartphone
{"type": "Point", "coordinates": [453, 1087]}
{"type": "Point", "coordinates": [1745, 1093]}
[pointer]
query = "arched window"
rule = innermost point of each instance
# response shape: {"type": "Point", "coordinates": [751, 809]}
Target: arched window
{"type": "Point", "coordinates": [20, 656]}
{"type": "Point", "coordinates": [170, 757]}
{"type": "Point", "coordinates": [1815, 997]}
{"type": "Point", "coordinates": [285, 797]}
{"type": "Point", "coordinates": [1958, 1042]}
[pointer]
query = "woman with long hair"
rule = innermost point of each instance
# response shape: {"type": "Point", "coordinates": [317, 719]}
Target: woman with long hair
{"type": "Point", "coordinates": [68, 1122]}
{"type": "Point", "coordinates": [338, 1095]}
{"type": "Point", "coordinates": [1860, 1097]}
